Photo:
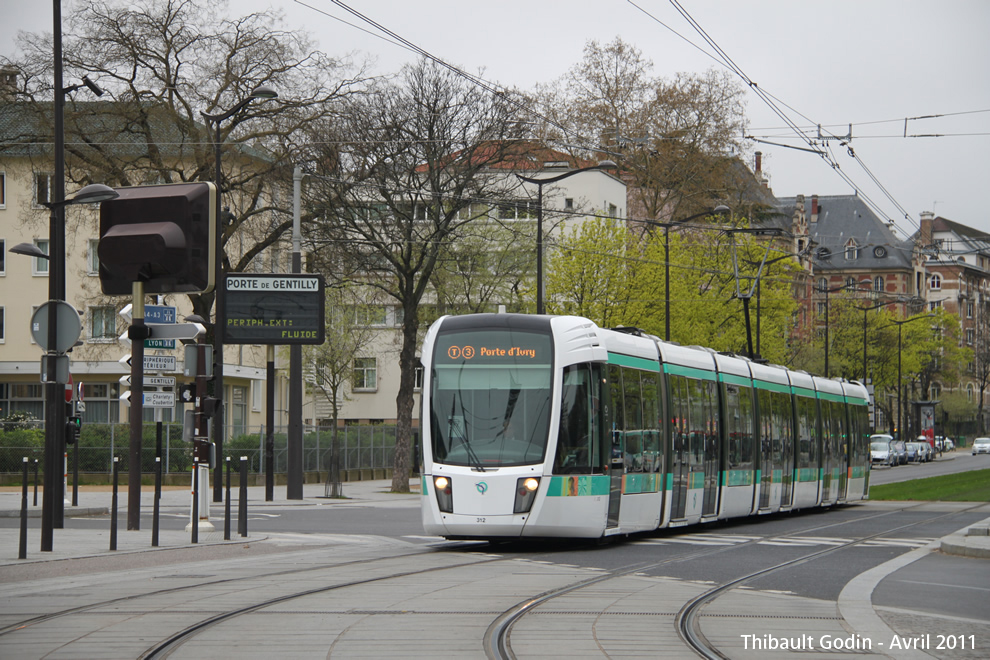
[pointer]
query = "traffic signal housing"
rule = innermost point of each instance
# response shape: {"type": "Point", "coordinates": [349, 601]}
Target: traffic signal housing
{"type": "Point", "coordinates": [72, 427]}
{"type": "Point", "coordinates": [163, 236]}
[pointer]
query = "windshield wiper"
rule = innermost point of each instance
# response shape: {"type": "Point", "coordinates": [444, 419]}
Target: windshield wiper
{"type": "Point", "coordinates": [465, 440]}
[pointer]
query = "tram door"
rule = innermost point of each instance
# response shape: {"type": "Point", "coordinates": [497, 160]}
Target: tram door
{"type": "Point", "coordinates": [827, 455]}
{"type": "Point", "coordinates": [616, 462]}
{"type": "Point", "coordinates": [784, 409]}
{"type": "Point", "coordinates": [712, 453]}
{"type": "Point", "coordinates": [765, 431]}
{"type": "Point", "coordinates": [681, 455]}
{"type": "Point", "coordinates": [842, 448]}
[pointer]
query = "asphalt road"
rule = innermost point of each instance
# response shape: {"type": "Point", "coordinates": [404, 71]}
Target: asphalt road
{"type": "Point", "coordinates": [959, 460]}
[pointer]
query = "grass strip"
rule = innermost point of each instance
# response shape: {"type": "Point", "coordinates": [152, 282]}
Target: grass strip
{"type": "Point", "coordinates": [961, 487]}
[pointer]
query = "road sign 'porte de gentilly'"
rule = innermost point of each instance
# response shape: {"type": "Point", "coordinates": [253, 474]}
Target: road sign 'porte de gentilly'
{"type": "Point", "coordinates": [273, 309]}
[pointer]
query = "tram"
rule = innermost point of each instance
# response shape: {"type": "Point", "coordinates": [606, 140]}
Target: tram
{"type": "Point", "coordinates": [549, 426]}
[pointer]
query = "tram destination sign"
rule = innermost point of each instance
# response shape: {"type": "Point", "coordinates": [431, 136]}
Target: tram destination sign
{"type": "Point", "coordinates": [273, 309]}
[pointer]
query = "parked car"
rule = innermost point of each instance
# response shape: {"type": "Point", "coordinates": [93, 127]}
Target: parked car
{"type": "Point", "coordinates": [899, 450]}
{"type": "Point", "coordinates": [926, 452]}
{"type": "Point", "coordinates": [981, 446]}
{"type": "Point", "coordinates": [913, 451]}
{"type": "Point", "coordinates": [880, 452]}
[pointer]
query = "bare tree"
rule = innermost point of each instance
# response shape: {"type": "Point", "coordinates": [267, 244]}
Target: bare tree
{"type": "Point", "coordinates": [677, 139]}
{"type": "Point", "coordinates": [330, 366]}
{"type": "Point", "coordinates": [407, 163]}
{"type": "Point", "coordinates": [162, 64]}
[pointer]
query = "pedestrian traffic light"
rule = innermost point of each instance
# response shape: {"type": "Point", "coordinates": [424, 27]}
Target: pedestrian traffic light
{"type": "Point", "coordinates": [163, 236]}
{"type": "Point", "coordinates": [72, 427]}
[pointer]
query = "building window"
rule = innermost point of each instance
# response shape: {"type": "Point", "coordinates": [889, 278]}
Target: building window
{"type": "Point", "coordinates": [970, 336]}
{"type": "Point", "coordinates": [93, 257]}
{"type": "Point", "coordinates": [3, 190]}
{"type": "Point", "coordinates": [850, 282]}
{"type": "Point", "coordinates": [102, 323]}
{"type": "Point", "coordinates": [3, 329]}
{"type": "Point", "coordinates": [934, 391]}
{"type": "Point", "coordinates": [852, 250]}
{"type": "Point", "coordinates": [969, 309]}
{"type": "Point", "coordinates": [418, 376]}
{"type": "Point", "coordinates": [569, 204]}
{"type": "Point", "coordinates": [39, 266]}
{"type": "Point", "coordinates": [935, 282]}
{"type": "Point", "coordinates": [822, 309]}
{"type": "Point", "coordinates": [969, 392]}
{"type": "Point", "coordinates": [878, 283]}
{"type": "Point", "coordinates": [42, 189]}
{"type": "Point", "coordinates": [823, 284]}
{"type": "Point", "coordinates": [935, 304]}
{"type": "Point", "coordinates": [613, 211]}
{"type": "Point", "coordinates": [3, 257]}
{"type": "Point", "coordinates": [365, 376]}
{"type": "Point", "coordinates": [238, 411]}
{"type": "Point", "coordinates": [370, 315]}
{"type": "Point", "coordinates": [257, 394]}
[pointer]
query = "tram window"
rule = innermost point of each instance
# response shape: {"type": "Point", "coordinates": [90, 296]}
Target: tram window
{"type": "Point", "coordinates": [579, 435]}
{"type": "Point", "coordinates": [739, 426]}
{"type": "Point", "coordinates": [678, 415]}
{"type": "Point", "coordinates": [632, 408]}
{"type": "Point", "coordinates": [652, 458]}
{"type": "Point", "coordinates": [783, 431]}
{"type": "Point", "coordinates": [697, 423]}
{"type": "Point", "coordinates": [807, 446]}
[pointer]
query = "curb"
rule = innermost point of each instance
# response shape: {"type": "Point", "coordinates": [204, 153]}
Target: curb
{"type": "Point", "coordinates": [75, 512]}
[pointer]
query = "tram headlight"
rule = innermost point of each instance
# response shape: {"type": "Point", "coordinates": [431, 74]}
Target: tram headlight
{"type": "Point", "coordinates": [445, 494]}
{"type": "Point", "coordinates": [526, 488]}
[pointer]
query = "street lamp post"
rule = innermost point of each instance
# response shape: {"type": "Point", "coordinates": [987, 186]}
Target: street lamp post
{"type": "Point", "coordinates": [720, 209]}
{"type": "Point", "coordinates": [262, 92]}
{"type": "Point", "coordinates": [900, 411]}
{"type": "Point", "coordinates": [603, 165]}
{"type": "Point", "coordinates": [54, 406]}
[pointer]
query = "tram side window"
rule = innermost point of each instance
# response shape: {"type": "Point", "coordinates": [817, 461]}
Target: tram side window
{"type": "Point", "coordinates": [677, 386]}
{"type": "Point", "coordinates": [699, 417]}
{"type": "Point", "coordinates": [652, 456]}
{"type": "Point", "coordinates": [632, 409]}
{"type": "Point", "coordinates": [807, 446]}
{"type": "Point", "coordinates": [618, 422]}
{"type": "Point", "coordinates": [739, 426]}
{"type": "Point", "coordinates": [766, 425]}
{"type": "Point", "coordinates": [579, 448]}
{"type": "Point", "coordinates": [841, 429]}
{"type": "Point", "coordinates": [783, 449]}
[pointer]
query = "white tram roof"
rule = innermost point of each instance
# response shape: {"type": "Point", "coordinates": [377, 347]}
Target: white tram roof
{"type": "Point", "coordinates": [576, 339]}
{"type": "Point", "coordinates": [686, 356]}
{"type": "Point", "coordinates": [802, 379]}
{"type": "Point", "coordinates": [829, 385]}
{"type": "Point", "coordinates": [770, 373]}
{"type": "Point", "coordinates": [855, 389]}
{"type": "Point", "coordinates": [732, 364]}
{"type": "Point", "coordinates": [630, 344]}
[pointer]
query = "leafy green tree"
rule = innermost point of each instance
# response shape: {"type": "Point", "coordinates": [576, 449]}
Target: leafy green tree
{"type": "Point", "coordinates": [588, 272]}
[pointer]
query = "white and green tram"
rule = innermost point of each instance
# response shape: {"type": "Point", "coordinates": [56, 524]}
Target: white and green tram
{"type": "Point", "coordinates": [549, 426]}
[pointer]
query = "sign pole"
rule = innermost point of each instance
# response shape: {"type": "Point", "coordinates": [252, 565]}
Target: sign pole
{"type": "Point", "coordinates": [137, 333]}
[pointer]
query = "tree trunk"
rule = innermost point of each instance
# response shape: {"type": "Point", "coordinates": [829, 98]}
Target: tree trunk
{"type": "Point", "coordinates": [402, 463]}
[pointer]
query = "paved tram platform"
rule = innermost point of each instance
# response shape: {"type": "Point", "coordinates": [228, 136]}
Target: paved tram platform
{"type": "Point", "coordinates": [607, 621]}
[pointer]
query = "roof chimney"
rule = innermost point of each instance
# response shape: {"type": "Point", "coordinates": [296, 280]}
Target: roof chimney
{"type": "Point", "coordinates": [761, 178]}
{"type": "Point", "coordinates": [8, 83]}
{"type": "Point", "coordinates": [927, 220]}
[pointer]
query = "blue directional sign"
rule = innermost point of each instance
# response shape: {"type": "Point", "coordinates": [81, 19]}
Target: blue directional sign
{"type": "Point", "coordinates": [159, 314]}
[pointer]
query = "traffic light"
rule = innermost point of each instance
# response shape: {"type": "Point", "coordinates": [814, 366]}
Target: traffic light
{"type": "Point", "coordinates": [72, 427]}
{"type": "Point", "coordinates": [164, 236]}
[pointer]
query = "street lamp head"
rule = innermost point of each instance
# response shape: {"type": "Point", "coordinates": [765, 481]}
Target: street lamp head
{"type": "Point", "coordinates": [28, 249]}
{"type": "Point", "coordinates": [607, 165]}
{"type": "Point", "coordinates": [94, 193]}
{"type": "Point", "coordinates": [264, 92]}
{"type": "Point", "coordinates": [93, 87]}
{"type": "Point", "coordinates": [721, 209]}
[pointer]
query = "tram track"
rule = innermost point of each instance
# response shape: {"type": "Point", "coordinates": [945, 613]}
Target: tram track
{"type": "Point", "coordinates": [496, 639]}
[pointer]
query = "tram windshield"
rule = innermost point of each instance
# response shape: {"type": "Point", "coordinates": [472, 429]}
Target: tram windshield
{"type": "Point", "coordinates": [490, 398]}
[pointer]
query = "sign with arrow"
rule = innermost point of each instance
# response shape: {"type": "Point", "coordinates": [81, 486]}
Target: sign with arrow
{"type": "Point", "coordinates": [161, 363]}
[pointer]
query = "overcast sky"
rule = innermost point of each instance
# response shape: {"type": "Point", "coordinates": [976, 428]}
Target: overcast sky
{"type": "Point", "coordinates": [869, 63]}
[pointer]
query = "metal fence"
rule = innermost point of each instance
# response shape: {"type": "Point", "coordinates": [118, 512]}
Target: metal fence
{"type": "Point", "coordinates": [358, 447]}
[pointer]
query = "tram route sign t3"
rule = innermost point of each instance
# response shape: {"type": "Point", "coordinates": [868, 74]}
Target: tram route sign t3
{"type": "Point", "coordinates": [274, 309]}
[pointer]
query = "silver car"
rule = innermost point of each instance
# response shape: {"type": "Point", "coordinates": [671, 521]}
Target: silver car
{"type": "Point", "coordinates": [981, 446]}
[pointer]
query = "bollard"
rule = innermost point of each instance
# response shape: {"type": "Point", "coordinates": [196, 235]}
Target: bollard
{"type": "Point", "coordinates": [113, 506]}
{"type": "Point", "coordinates": [242, 504]}
{"type": "Point", "coordinates": [156, 510]}
{"type": "Point", "coordinates": [226, 514]}
{"type": "Point", "coordinates": [195, 504]}
{"type": "Point", "coordinates": [22, 551]}
{"type": "Point", "coordinates": [36, 482]}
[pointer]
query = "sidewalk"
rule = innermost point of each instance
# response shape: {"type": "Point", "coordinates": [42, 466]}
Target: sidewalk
{"type": "Point", "coordinates": [95, 501]}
